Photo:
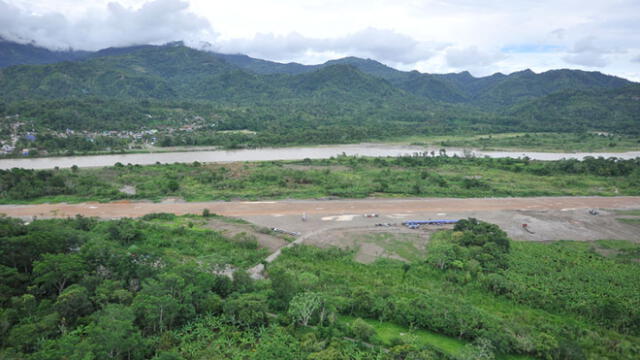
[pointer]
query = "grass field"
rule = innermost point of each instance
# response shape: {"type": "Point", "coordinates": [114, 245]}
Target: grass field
{"type": "Point", "coordinates": [631, 216]}
{"type": "Point", "coordinates": [387, 332]}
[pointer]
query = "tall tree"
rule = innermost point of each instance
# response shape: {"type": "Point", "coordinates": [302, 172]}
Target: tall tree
{"type": "Point", "coordinates": [56, 271]}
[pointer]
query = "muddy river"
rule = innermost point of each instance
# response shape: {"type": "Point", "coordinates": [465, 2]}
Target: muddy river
{"type": "Point", "coordinates": [270, 154]}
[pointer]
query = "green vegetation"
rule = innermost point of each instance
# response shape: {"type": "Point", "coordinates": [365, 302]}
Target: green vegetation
{"type": "Point", "coordinates": [391, 334]}
{"type": "Point", "coordinates": [349, 177]}
{"type": "Point", "coordinates": [628, 212]}
{"type": "Point", "coordinates": [632, 221]}
{"type": "Point", "coordinates": [549, 142]}
{"type": "Point", "coordinates": [630, 216]}
{"type": "Point", "coordinates": [530, 302]}
{"type": "Point", "coordinates": [153, 288]}
{"type": "Point", "coordinates": [622, 251]}
{"type": "Point", "coordinates": [79, 288]}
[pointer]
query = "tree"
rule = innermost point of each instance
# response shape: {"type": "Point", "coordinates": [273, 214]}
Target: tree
{"type": "Point", "coordinates": [303, 306]}
{"type": "Point", "coordinates": [55, 271]}
{"type": "Point", "coordinates": [242, 282]}
{"type": "Point", "coordinates": [441, 253]}
{"type": "Point", "coordinates": [284, 288]}
{"type": "Point", "coordinates": [114, 335]}
{"type": "Point", "coordinates": [248, 310]}
{"type": "Point", "coordinates": [111, 291]}
{"type": "Point", "coordinates": [73, 303]}
{"type": "Point", "coordinates": [158, 304]}
{"type": "Point", "coordinates": [173, 186]}
{"type": "Point", "coordinates": [11, 282]}
{"type": "Point", "coordinates": [481, 349]}
{"type": "Point", "coordinates": [362, 330]}
{"type": "Point", "coordinates": [405, 269]}
{"type": "Point", "coordinates": [124, 231]}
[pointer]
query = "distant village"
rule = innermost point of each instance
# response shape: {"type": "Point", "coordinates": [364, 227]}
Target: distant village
{"type": "Point", "coordinates": [19, 138]}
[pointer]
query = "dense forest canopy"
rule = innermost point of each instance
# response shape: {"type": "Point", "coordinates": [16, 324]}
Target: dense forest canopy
{"type": "Point", "coordinates": [155, 288]}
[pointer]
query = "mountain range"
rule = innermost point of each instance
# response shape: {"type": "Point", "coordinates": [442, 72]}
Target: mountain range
{"type": "Point", "coordinates": [172, 72]}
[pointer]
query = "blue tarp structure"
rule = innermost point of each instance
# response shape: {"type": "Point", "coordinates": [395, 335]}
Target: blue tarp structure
{"type": "Point", "coordinates": [428, 222]}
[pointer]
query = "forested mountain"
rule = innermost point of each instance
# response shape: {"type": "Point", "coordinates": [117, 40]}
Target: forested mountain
{"type": "Point", "coordinates": [343, 92]}
{"type": "Point", "coordinates": [526, 85]}
{"type": "Point", "coordinates": [616, 110]}
{"type": "Point", "coordinates": [495, 91]}
{"type": "Point", "coordinates": [176, 71]}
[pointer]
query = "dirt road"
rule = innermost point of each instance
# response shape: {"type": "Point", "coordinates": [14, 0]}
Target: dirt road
{"type": "Point", "coordinates": [319, 207]}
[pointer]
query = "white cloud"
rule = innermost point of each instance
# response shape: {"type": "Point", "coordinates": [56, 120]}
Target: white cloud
{"type": "Point", "coordinates": [381, 44]}
{"type": "Point", "coordinates": [586, 52]}
{"type": "Point", "coordinates": [157, 21]}
{"type": "Point", "coordinates": [430, 35]}
{"type": "Point", "coordinates": [472, 57]}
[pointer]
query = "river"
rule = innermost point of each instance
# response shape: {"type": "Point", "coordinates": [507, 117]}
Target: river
{"type": "Point", "coordinates": [271, 154]}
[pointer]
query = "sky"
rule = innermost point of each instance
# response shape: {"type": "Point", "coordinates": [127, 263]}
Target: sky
{"type": "Point", "coordinates": [434, 36]}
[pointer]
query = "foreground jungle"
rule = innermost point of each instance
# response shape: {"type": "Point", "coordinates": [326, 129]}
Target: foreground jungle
{"type": "Point", "coordinates": [161, 287]}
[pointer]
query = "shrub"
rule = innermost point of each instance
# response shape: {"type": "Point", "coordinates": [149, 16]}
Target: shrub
{"type": "Point", "coordinates": [361, 330]}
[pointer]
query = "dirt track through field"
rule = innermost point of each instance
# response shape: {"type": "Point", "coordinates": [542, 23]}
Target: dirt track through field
{"type": "Point", "coordinates": [318, 207]}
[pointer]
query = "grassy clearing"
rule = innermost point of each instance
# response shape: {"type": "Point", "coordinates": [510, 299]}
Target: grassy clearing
{"type": "Point", "coordinates": [402, 245]}
{"type": "Point", "coordinates": [617, 244]}
{"type": "Point", "coordinates": [629, 221]}
{"type": "Point", "coordinates": [546, 142]}
{"type": "Point", "coordinates": [628, 212]}
{"type": "Point", "coordinates": [387, 332]}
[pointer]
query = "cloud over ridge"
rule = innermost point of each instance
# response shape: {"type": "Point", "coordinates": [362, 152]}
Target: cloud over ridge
{"type": "Point", "coordinates": [428, 35]}
{"type": "Point", "coordinates": [154, 22]}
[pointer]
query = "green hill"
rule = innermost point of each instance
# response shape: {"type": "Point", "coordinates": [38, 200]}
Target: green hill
{"type": "Point", "coordinates": [343, 92]}
{"type": "Point", "coordinates": [493, 93]}
{"type": "Point", "coordinates": [176, 71]}
{"type": "Point", "coordinates": [616, 110]}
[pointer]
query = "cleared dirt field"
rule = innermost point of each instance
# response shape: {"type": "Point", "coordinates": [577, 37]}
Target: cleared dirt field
{"type": "Point", "coordinates": [344, 223]}
{"type": "Point", "coordinates": [329, 221]}
{"type": "Point", "coordinates": [390, 207]}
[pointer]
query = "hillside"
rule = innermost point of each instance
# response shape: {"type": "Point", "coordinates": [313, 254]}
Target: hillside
{"type": "Point", "coordinates": [526, 85]}
{"type": "Point", "coordinates": [616, 110]}
{"type": "Point", "coordinates": [194, 74]}
{"type": "Point", "coordinates": [176, 71]}
{"type": "Point", "coordinates": [492, 92]}
{"type": "Point", "coordinates": [353, 99]}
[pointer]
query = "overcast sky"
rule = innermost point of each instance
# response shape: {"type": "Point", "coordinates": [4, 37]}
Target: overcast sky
{"type": "Point", "coordinates": [434, 36]}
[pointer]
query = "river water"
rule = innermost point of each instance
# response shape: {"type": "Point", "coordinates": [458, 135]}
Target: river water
{"type": "Point", "coordinates": [271, 154]}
